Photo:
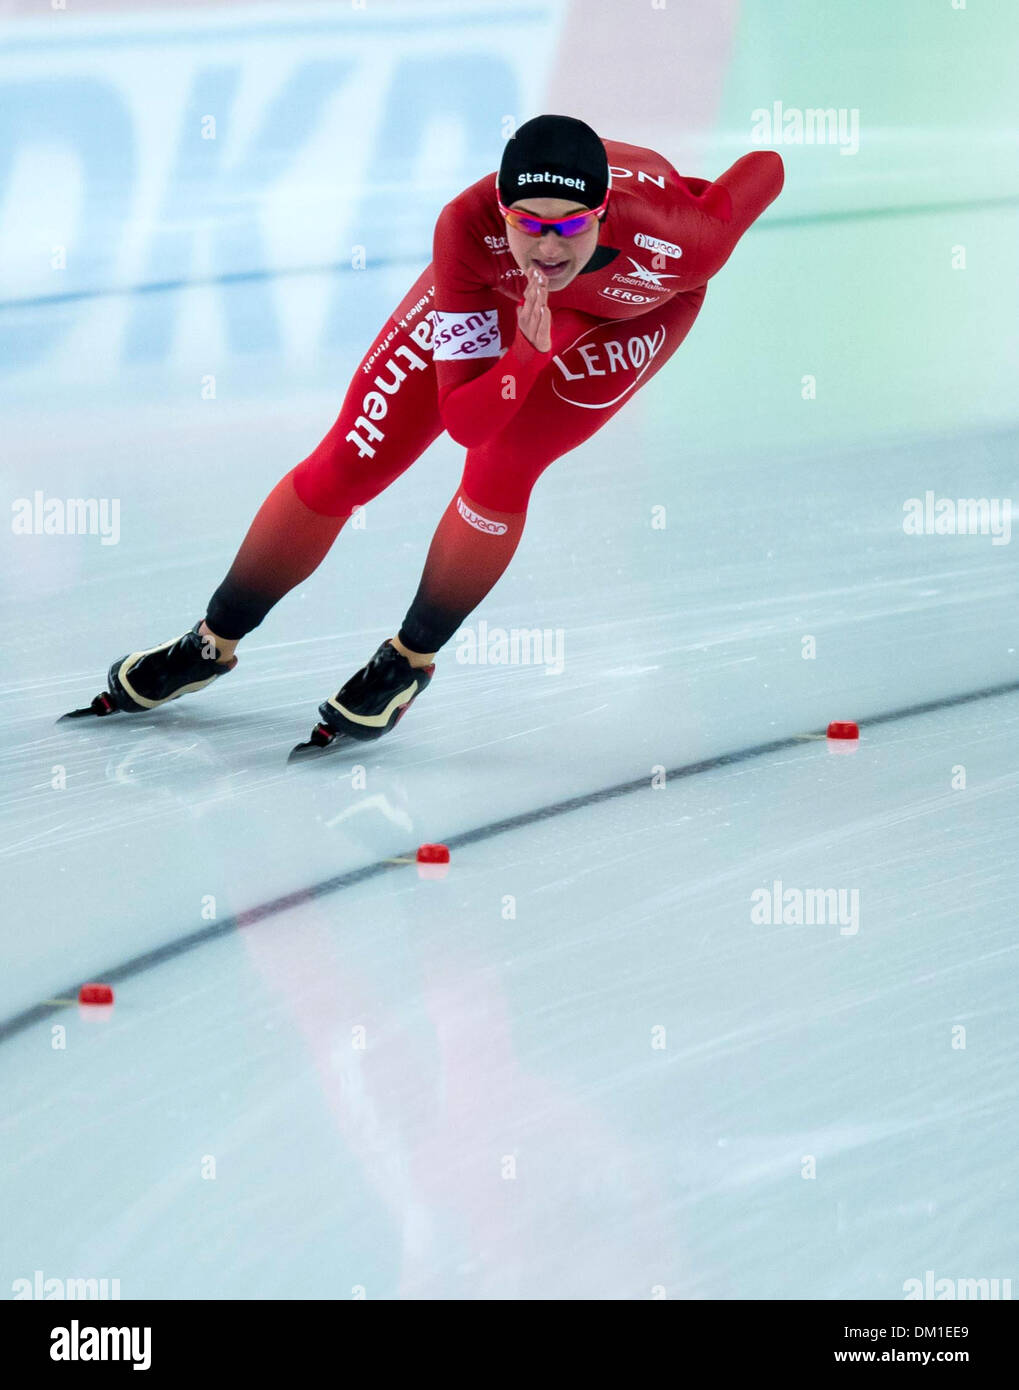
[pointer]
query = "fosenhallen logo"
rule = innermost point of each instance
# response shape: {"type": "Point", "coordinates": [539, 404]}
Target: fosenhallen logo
{"type": "Point", "coordinates": [480, 523]}
{"type": "Point", "coordinates": [640, 275]}
{"type": "Point", "coordinates": [653, 243]}
{"type": "Point", "coordinates": [596, 371]}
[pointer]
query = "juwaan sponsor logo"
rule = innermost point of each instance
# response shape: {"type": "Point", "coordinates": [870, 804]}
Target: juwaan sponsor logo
{"type": "Point", "coordinates": [479, 522]}
{"type": "Point", "coordinates": [617, 360]}
{"type": "Point", "coordinates": [653, 243]}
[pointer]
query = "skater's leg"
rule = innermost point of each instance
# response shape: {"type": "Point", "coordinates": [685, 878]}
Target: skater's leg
{"type": "Point", "coordinates": [285, 543]}
{"type": "Point", "coordinates": [469, 552]}
{"type": "Point", "coordinates": [481, 528]}
{"type": "Point", "coordinates": [388, 418]}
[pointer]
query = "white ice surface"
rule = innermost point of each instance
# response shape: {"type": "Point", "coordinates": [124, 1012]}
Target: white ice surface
{"type": "Point", "coordinates": [509, 1126]}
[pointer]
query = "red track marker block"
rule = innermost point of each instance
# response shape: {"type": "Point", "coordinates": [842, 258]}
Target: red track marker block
{"type": "Point", "coordinates": [432, 854]}
{"type": "Point", "coordinates": [843, 729]}
{"type": "Point", "coordinates": [95, 994]}
{"type": "Point", "coordinates": [433, 861]}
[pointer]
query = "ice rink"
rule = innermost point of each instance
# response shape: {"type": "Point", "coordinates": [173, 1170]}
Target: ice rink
{"type": "Point", "coordinates": [575, 1066]}
{"type": "Point", "coordinates": [587, 1062]}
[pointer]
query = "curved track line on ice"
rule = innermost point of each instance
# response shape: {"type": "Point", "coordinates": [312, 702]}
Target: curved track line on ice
{"type": "Point", "coordinates": [147, 960]}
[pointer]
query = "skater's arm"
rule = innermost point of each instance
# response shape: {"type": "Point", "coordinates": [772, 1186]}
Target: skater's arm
{"type": "Point", "coordinates": [749, 186]}
{"type": "Point", "coordinates": [482, 382]}
{"type": "Point", "coordinates": [735, 200]}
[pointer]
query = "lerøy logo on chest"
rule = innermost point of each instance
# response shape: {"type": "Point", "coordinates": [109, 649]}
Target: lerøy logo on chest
{"type": "Point", "coordinates": [604, 363]}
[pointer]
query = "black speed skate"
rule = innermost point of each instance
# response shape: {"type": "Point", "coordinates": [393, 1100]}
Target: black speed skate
{"type": "Point", "coordinates": [370, 704]}
{"type": "Point", "coordinates": [145, 680]}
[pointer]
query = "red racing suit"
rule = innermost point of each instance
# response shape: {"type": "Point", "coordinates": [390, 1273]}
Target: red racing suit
{"type": "Point", "coordinates": [450, 358]}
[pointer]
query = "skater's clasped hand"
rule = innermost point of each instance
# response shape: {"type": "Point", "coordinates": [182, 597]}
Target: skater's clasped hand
{"type": "Point", "coordinates": [534, 317]}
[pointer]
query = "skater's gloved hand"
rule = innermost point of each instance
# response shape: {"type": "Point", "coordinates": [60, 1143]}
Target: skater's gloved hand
{"type": "Point", "coordinates": [534, 317]}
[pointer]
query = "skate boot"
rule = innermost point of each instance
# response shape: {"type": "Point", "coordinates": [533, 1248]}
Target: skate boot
{"type": "Point", "coordinates": [145, 680]}
{"type": "Point", "coordinates": [370, 704]}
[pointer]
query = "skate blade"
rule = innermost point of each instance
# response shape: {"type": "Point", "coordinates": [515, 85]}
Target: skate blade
{"type": "Point", "coordinates": [100, 707]}
{"type": "Point", "coordinates": [322, 741]}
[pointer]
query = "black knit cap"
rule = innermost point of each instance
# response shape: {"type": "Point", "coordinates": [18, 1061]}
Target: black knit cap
{"type": "Point", "coordinates": [554, 157]}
